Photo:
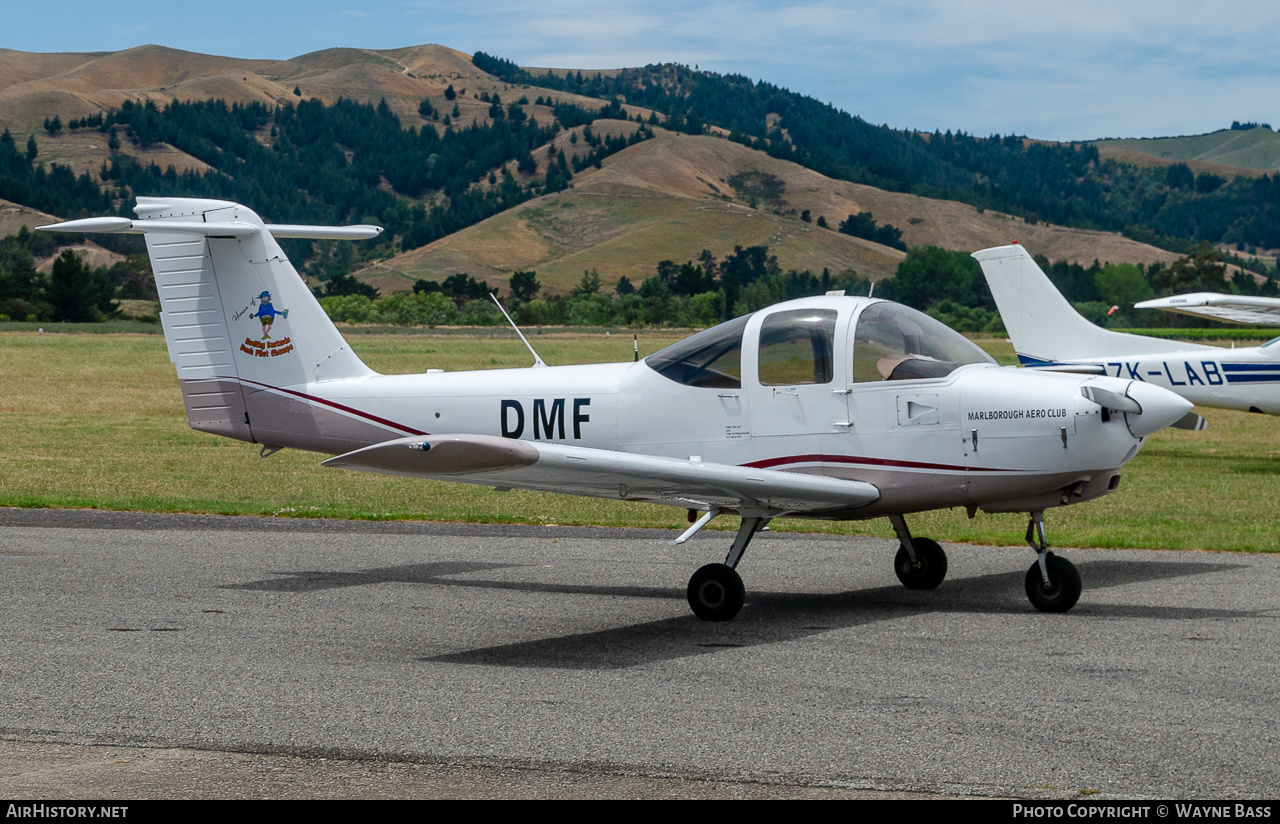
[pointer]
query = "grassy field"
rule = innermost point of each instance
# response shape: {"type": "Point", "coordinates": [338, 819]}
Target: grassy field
{"type": "Point", "coordinates": [96, 421]}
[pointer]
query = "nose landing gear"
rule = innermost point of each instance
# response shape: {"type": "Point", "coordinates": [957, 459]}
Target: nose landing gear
{"type": "Point", "coordinates": [1053, 584]}
{"type": "Point", "coordinates": [920, 562]}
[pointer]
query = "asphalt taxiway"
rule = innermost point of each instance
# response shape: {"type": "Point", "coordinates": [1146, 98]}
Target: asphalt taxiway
{"type": "Point", "coordinates": [147, 655]}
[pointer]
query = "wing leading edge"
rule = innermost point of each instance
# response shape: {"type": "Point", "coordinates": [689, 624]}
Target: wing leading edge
{"type": "Point", "coordinates": [600, 473]}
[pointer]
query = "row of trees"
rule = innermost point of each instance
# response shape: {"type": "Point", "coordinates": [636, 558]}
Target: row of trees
{"type": "Point", "coordinates": [72, 290]}
{"type": "Point", "coordinates": [946, 284]}
{"type": "Point", "coordinates": [950, 286]}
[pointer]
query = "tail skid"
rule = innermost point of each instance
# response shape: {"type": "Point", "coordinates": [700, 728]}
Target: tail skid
{"type": "Point", "coordinates": [239, 322]}
{"type": "Point", "coordinates": [1042, 325]}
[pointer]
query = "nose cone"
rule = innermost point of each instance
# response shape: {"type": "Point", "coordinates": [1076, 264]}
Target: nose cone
{"type": "Point", "coordinates": [1160, 408]}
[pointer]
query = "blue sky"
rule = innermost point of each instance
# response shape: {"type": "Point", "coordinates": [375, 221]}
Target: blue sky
{"type": "Point", "coordinates": [1054, 70]}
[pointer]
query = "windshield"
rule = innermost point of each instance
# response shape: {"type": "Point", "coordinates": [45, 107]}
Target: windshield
{"type": "Point", "coordinates": [893, 342]}
{"type": "Point", "coordinates": [711, 359]}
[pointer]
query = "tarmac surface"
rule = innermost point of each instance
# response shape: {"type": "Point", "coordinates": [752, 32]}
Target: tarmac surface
{"type": "Point", "coordinates": [177, 656]}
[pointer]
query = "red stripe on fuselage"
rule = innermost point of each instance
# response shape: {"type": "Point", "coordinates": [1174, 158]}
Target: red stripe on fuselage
{"type": "Point", "coordinates": [408, 430]}
{"type": "Point", "coordinates": [852, 459]}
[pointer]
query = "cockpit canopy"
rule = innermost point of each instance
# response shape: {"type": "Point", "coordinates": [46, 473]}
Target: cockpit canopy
{"type": "Point", "coordinates": [798, 346]}
{"type": "Point", "coordinates": [893, 342]}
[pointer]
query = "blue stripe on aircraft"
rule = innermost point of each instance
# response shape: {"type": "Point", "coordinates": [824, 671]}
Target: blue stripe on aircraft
{"type": "Point", "coordinates": [1272, 378]}
{"type": "Point", "coordinates": [1251, 367]}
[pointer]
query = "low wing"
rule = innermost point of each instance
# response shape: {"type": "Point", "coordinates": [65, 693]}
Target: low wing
{"type": "Point", "coordinates": [1230, 308]}
{"type": "Point", "coordinates": [600, 473]}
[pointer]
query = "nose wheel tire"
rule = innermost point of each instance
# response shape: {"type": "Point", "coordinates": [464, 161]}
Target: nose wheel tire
{"type": "Point", "coordinates": [716, 593]}
{"type": "Point", "coordinates": [1063, 589]}
{"type": "Point", "coordinates": [929, 569]}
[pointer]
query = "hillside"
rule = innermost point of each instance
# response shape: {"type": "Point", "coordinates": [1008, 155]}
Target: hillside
{"type": "Point", "coordinates": [666, 198]}
{"type": "Point", "coordinates": [670, 198]}
{"type": "Point", "coordinates": [13, 217]}
{"type": "Point", "coordinates": [1225, 152]}
{"type": "Point", "coordinates": [35, 86]}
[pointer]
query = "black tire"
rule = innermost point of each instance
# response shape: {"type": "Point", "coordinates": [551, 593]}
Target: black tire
{"type": "Point", "coordinates": [716, 593]}
{"type": "Point", "coordinates": [1064, 585]}
{"type": "Point", "coordinates": [930, 567]}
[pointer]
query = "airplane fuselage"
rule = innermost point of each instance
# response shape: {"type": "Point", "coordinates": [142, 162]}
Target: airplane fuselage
{"type": "Point", "coordinates": [998, 438]}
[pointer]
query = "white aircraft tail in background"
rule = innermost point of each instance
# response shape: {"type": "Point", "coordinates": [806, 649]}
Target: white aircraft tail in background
{"type": "Point", "coordinates": [1041, 323]}
{"type": "Point", "coordinates": [1048, 333]}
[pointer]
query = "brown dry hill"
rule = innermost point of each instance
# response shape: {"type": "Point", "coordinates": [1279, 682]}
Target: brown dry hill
{"type": "Point", "coordinates": [668, 198]}
{"type": "Point", "coordinates": [672, 196]}
{"type": "Point", "coordinates": [33, 87]}
{"type": "Point", "coordinates": [13, 217]}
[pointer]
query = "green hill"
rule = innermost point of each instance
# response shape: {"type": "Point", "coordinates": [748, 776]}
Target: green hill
{"type": "Point", "coordinates": [1257, 148]}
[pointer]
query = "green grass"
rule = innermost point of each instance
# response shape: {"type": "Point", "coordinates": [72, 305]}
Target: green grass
{"type": "Point", "coordinates": [96, 421]}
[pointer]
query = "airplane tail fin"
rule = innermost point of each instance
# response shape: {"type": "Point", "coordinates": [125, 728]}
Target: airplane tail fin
{"type": "Point", "coordinates": [1042, 325]}
{"type": "Point", "coordinates": [237, 317]}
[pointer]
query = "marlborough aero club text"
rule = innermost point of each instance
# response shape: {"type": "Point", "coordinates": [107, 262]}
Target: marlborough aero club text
{"type": "Point", "coordinates": [1016, 414]}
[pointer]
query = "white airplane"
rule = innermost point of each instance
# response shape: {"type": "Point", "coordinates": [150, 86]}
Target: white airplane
{"type": "Point", "coordinates": [832, 407]}
{"type": "Point", "coordinates": [1049, 334]}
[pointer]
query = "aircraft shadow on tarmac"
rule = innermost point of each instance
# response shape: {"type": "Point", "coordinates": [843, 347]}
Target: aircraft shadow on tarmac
{"type": "Point", "coordinates": [769, 617]}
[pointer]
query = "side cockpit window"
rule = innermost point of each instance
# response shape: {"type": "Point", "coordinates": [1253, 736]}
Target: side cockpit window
{"type": "Point", "coordinates": [711, 359]}
{"type": "Point", "coordinates": [796, 347]}
{"type": "Point", "coordinates": [893, 343]}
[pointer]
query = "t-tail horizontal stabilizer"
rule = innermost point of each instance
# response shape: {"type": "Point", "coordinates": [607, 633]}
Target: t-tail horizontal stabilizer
{"type": "Point", "coordinates": [126, 226]}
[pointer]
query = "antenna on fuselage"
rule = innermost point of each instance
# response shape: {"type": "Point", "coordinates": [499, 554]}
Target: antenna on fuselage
{"type": "Point", "coordinates": [872, 290]}
{"type": "Point", "coordinates": [537, 361]}
{"type": "Point", "coordinates": [635, 341]}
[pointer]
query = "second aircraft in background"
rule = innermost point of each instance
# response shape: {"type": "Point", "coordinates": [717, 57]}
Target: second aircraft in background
{"type": "Point", "coordinates": [1049, 334]}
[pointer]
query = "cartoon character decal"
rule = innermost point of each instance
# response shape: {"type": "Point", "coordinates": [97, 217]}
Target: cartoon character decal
{"type": "Point", "coordinates": [266, 347]}
{"type": "Point", "coordinates": [267, 313]}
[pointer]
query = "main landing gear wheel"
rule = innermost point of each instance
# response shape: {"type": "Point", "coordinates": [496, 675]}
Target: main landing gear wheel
{"type": "Point", "coordinates": [1063, 589]}
{"type": "Point", "coordinates": [716, 593]}
{"type": "Point", "coordinates": [929, 568]}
